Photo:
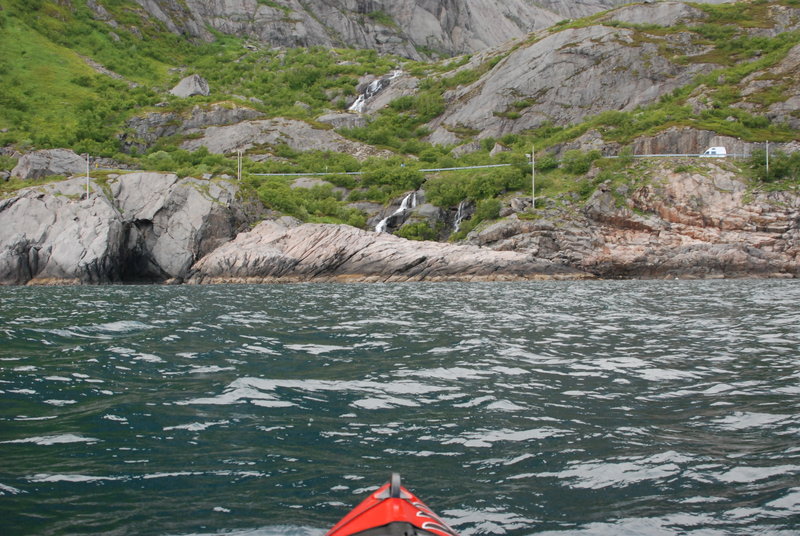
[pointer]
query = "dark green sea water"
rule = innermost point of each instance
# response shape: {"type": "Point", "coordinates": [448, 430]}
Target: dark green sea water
{"type": "Point", "coordinates": [572, 408]}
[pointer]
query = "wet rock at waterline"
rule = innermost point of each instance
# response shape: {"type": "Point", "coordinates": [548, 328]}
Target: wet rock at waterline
{"type": "Point", "coordinates": [279, 252]}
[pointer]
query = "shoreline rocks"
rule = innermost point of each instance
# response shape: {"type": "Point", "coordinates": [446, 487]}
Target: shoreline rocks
{"type": "Point", "coordinates": [140, 227]}
{"type": "Point", "coordinates": [675, 221]}
{"type": "Point", "coordinates": [275, 251]}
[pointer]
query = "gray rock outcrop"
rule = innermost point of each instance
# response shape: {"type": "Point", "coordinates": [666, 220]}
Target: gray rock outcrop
{"type": "Point", "coordinates": [402, 27]}
{"type": "Point", "coordinates": [298, 135]}
{"type": "Point", "coordinates": [48, 162]}
{"type": "Point", "coordinates": [275, 252]}
{"type": "Point", "coordinates": [190, 86]}
{"type": "Point", "coordinates": [565, 77]}
{"type": "Point", "coordinates": [343, 120]}
{"type": "Point", "coordinates": [135, 227]}
{"type": "Point", "coordinates": [51, 235]}
{"type": "Point", "coordinates": [142, 132]}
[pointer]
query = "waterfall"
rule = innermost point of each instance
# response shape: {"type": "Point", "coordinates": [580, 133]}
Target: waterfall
{"type": "Point", "coordinates": [460, 215]}
{"type": "Point", "coordinates": [409, 202]}
{"type": "Point", "coordinates": [375, 87]}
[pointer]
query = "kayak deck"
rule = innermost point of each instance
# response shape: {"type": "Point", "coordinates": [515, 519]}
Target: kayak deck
{"type": "Point", "coordinates": [392, 510]}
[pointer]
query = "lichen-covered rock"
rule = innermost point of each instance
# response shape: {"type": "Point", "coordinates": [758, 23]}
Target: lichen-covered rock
{"type": "Point", "coordinates": [401, 27]}
{"type": "Point", "coordinates": [565, 77]}
{"type": "Point", "coordinates": [174, 222]}
{"type": "Point", "coordinates": [53, 234]}
{"type": "Point", "coordinates": [343, 120]}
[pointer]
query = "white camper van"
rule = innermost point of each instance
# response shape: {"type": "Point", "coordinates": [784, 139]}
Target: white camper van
{"type": "Point", "coordinates": [715, 152]}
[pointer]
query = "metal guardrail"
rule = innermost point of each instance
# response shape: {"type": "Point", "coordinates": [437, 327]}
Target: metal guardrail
{"type": "Point", "coordinates": [435, 170]}
{"type": "Point", "coordinates": [315, 174]}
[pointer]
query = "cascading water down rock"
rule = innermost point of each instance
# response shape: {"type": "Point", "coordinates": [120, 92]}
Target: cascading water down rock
{"type": "Point", "coordinates": [408, 203]}
{"type": "Point", "coordinates": [374, 87]}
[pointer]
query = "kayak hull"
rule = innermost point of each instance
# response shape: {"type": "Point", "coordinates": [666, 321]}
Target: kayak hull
{"type": "Point", "coordinates": [392, 510]}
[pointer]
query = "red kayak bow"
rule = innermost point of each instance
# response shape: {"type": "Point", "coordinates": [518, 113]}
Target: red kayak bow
{"type": "Point", "coordinates": [391, 511]}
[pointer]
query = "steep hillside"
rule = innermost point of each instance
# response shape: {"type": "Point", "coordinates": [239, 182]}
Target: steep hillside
{"type": "Point", "coordinates": [409, 28]}
{"type": "Point", "coordinates": [101, 77]}
{"type": "Point", "coordinates": [632, 58]}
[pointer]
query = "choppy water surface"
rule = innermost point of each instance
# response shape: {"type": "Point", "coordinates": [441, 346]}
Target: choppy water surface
{"type": "Point", "coordinates": [544, 408]}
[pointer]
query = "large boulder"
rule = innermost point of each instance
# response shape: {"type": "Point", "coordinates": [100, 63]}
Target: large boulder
{"type": "Point", "coordinates": [190, 86]}
{"type": "Point", "coordinates": [49, 162]}
{"type": "Point", "coordinates": [137, 227]}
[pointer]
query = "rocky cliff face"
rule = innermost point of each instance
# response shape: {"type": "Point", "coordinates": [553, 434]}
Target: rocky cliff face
{"type": "Point", "coordinates": [410, 28]}
{"type": "Point", "coordinates": [700, 223]}
{"type": "Point", "coordinates": [569, 75]}
{"type": "Point", "coordinates": [135, 227]}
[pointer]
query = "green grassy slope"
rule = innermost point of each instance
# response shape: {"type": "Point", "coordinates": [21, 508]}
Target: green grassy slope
{"type": "Point", "coordinates": [51, 97]}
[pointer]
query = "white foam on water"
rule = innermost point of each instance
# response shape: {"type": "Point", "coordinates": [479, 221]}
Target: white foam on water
{"type": "Point", "coordinates": [122, 326]}
{"type": "Point", "coordinates": [260, 391]}
{"type": "Point", "coordinates": [789, 502]}
{"type": "Point", "coordinates": [504, 405]}
{"type": "Point", "coordinates": [450, 374]}
{"type": "Point", "coordinates": [486, 521]}
{"type": "Point", "coordinates": [54, 439]}
{"type": "Point", "coordinates": [704, 500]}
{"type": "Point", "coordinates": [659, 375]}
{"type": "Point", "coordinates": [316, 349]}
{"type": "Point", "coordinates": [59, 403]}
{"type": "Point", "coordinates": [276, 530]}
{"type": "Point", "coordinates": [115, 418]}
{"type": "Point", "coordinates": [196, 426]}
{"type": "Point", "coordinates": [9, 490]}
{"type": "Point", "coordinates": [209, 369]}
{"type": "Point", "coordinates": [600, 474]}
{"type": "Point", "coordinates": [272, 403]}
{"type": "Point", "coordinates": [475, 402]}
{"type": "Point", "coordinates": [149, 358]}
{"type": "Point", "coordinates": [487, 438]}
{"type": "Point", "coordinates": [384, 403]}
{"type": "Point", "coordinates": [43, 477]}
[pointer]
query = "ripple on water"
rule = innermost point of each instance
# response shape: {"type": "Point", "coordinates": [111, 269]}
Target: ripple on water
{"type": "Point", "coordinates": [544, 408]}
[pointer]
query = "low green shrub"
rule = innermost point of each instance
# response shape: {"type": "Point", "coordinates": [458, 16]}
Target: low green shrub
{"type": "Point", "coordinates": [416, 231]}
